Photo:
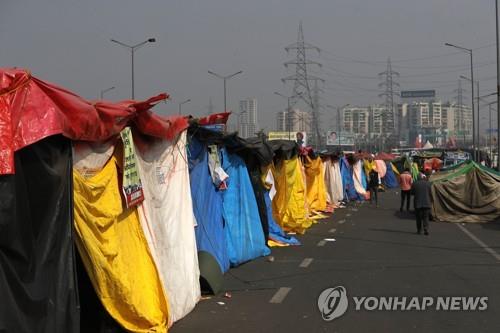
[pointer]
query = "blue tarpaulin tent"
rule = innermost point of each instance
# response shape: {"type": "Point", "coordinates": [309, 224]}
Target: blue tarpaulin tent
{"type": "Point", "coordinates": [390, 180]}
{"type": "Point", "coordinates": [207, 206]}
{"type": "Point", "coordinates": [244, 235]}
{"type": "Point", "coordinates": [347, 181]}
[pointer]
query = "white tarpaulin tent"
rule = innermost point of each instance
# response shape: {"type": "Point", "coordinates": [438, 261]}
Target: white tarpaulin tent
{"type": "Point", "coordinates": [168, 221]}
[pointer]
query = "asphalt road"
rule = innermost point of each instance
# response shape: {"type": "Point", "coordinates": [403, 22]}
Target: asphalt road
{"type": "Point", "coordinates": [376, 252]}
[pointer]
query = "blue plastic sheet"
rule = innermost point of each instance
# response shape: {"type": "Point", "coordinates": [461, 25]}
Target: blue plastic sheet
{"type": "Point", "coordinates": [390, 180]}
{"type": "Point", "coordinates": [364, 182]}
{"type": "Point", "coordinates": [275, 231]}
{"type": "Point", "coordinates": [347, 181]}
{"type": "Point", "coordinates": [244, 235]}
{"type": "Point", "coordinates": [207, 206]}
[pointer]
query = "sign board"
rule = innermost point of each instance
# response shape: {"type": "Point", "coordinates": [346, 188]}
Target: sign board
{"type": "Point", "coordinates": [334, 138]}
{"type": "Point", "coordinates": [216, 127]}
{"type": "Point", "coordinates": [299, 137]}
{"type": "Point", "coordinates": [132, 186]}
{"type": "Point", "coordinates": [418, 93]}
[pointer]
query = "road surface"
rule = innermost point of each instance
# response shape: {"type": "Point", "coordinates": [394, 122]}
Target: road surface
{"type": "Point", "coordinates": [376, 252]}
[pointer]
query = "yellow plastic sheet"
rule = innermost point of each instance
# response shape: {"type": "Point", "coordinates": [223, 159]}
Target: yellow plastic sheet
{"type": "Point", "coordinates": [369, 166]}
{"type": "Point", "coordinates": [115, 253]}
{"type": "Point", "coordinates": [315, 184]}
{"type": "Point", "coordinates": [289, 202]}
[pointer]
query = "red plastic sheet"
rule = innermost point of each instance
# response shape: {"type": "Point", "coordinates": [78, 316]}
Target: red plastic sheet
{"type": "Point", "coordinates": [216, 118]}
{"type": "Point", "coordinates": [31, 109]}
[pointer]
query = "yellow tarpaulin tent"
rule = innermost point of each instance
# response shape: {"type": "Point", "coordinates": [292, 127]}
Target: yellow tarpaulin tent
{"type": "Point", "coordinates": [115, 253]}
{"type": "Point", "coordinates": [289, 203]}
{"type": "Point", "coordinates": [315, 184]}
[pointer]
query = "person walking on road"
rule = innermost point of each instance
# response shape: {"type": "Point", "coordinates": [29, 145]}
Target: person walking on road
{"type": "Point", "coordinates": [422, 202]}
{"type": "Point", "coordinates": [405, 181]}
{"type": "Point", "coordinates": [373, 186]}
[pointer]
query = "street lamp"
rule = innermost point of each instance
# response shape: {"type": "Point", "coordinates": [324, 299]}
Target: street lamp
{"type": "Point", "coordinates": [132, 49]}
{"type": "Point", "coordinates": [225, 78]}
{"type": "Point", "coordinates": [180, 105]}
{"type": "Point", "coordinates": [288, 111]}
{"type": "Point", "coordinates": [498, 87]}
{"type": "Point", "coordinates": [490, 143]}
{"type": "Point", "coordinates": [472, 85]}
{"type": "Point", "coordinates": [105, 91]}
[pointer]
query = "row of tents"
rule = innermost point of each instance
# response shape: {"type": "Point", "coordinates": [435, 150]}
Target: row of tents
{"type": "Point", "coordinates": [113, 217]}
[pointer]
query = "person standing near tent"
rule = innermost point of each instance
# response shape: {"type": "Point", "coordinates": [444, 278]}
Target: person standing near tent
{"type": "Point", "coordinates": [405, 181]}
{"type": "Point", "coordinates": [373, 186]}
{"type": "Point", "coordinates": [422, 202]}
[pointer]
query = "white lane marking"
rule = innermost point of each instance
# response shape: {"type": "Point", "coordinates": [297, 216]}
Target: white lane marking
{"type": "Point", "coordinates": [341, 221]}
{"type": "Point", "coordinates": [322, 242]}
{"type": "Point", "coordinates": [348, 215]}
{"type": "Point", "coordinates": [306, 262]}
{"type": "Point", "coordinates": [354, 209]}
{"type": "Point", "coordinates": [332, 230]}
{"type": "Point", "coordinates": [480, 243]}
{"type": "Point", "coordinates": [280, 295]}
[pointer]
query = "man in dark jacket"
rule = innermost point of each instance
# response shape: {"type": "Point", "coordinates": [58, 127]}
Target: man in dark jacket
{"type": "Point", "coordinates": [422, 203]}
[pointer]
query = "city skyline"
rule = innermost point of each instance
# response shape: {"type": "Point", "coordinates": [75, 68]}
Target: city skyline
{"type": "Point", "coordinates": [82, 58]}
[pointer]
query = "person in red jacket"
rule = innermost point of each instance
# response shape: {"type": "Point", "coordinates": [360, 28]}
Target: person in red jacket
{"type": "Point", "coordinates": [405, 182]}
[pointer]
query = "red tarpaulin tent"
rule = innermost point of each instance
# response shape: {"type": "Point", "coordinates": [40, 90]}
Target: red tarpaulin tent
{"type": "Point", "coordinates": [31, 109]}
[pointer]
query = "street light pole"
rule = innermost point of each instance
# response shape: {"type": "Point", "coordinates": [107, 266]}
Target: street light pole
{"type": "Point", "coordinates": [225, 78]}
{"type": "Point", "coordinates": [180, 105]}
{"type": "Point", "coordinates": [472, 89]}
{"type": "Point", "coordinates": [498, 87]}
{"type": "Point", "coordinates": [132, 49]}
{"type": "Point", "coordinates": [101, 95]}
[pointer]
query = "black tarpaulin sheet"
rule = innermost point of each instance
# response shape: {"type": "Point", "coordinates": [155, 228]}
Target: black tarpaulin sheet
{"type": "Point", "coordinates": [37, 268]}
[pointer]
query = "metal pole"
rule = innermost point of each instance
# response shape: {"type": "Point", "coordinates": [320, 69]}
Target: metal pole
{"type": "Point", "coordinates": [473, 111]}
{"type": "Point", "coordinates": [498, 88]}
{"type": "Point", "coordinates": [180, 109]}
{"type": "Point", "coordinates": [225, 108]}
{"type": "Point", "coordinates": [338, 125]}
{"type": "Point", "coordinates": [288, 119]}
{"type": "Point", "coordinates": [489, 136]}
{"type": "Point", "coordinates": [478, 133]}
{"type": "Point", "coordinates": [132, 52]}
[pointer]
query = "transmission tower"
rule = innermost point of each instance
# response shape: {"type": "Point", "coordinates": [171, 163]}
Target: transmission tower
{"type": "Point", "coordinates": [389, 84]}
{"type": "Point", "coordinates": [301, 79]}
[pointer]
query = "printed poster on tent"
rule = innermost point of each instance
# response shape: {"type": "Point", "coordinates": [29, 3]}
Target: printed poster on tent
{"type": "Point", "coordinates": [132, 186]}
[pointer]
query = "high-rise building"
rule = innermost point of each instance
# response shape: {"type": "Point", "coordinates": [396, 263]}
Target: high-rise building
{"type": "Point", "coordinates": [300, 121]}
{"type": "Point", "coordinates": [355, 120]}
{"type": "Point", "coordinates": [434, 120]}
{"type": "Point", "coordinates": [376, 119]}
{"type": "Point", "coordinates": [248, 124]}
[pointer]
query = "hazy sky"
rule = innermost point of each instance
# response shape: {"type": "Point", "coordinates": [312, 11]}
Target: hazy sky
{"type": "Point", "coordinates": [67, 42]}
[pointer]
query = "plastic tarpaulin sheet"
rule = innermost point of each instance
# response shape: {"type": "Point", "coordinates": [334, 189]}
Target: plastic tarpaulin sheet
{"type": "Point", "coordinates": [276, 233]}
{"type": "Point", "coordinates": [333, 181]}
{"type": "Point", "coordinates": [347, 180]}
{"type": "Point", "coordinates": [390, 180]}
{"type": "Point", "coordinates": [315, 184]}
{"type": "Point", "coordinates": [289, 202]}
{"type": "Point", "coordinates": [167, 220]}
{"type": "Point", "coordinates": [470, 194]}
{"type": "Point", "coordinates": [358, 179]}
{"type": "Point", "coordinates": [244, 236]}
{"type": "Point", "coordinates": [116, 255]}
{"type": "Point", "coordinates": [32, 109]}
{"type": "Point", "coordinates": [381, 168]}
{"type": "Point", "coordinates": [37, 268]}
{"type": "Point", "coordinates": [207, 206]}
